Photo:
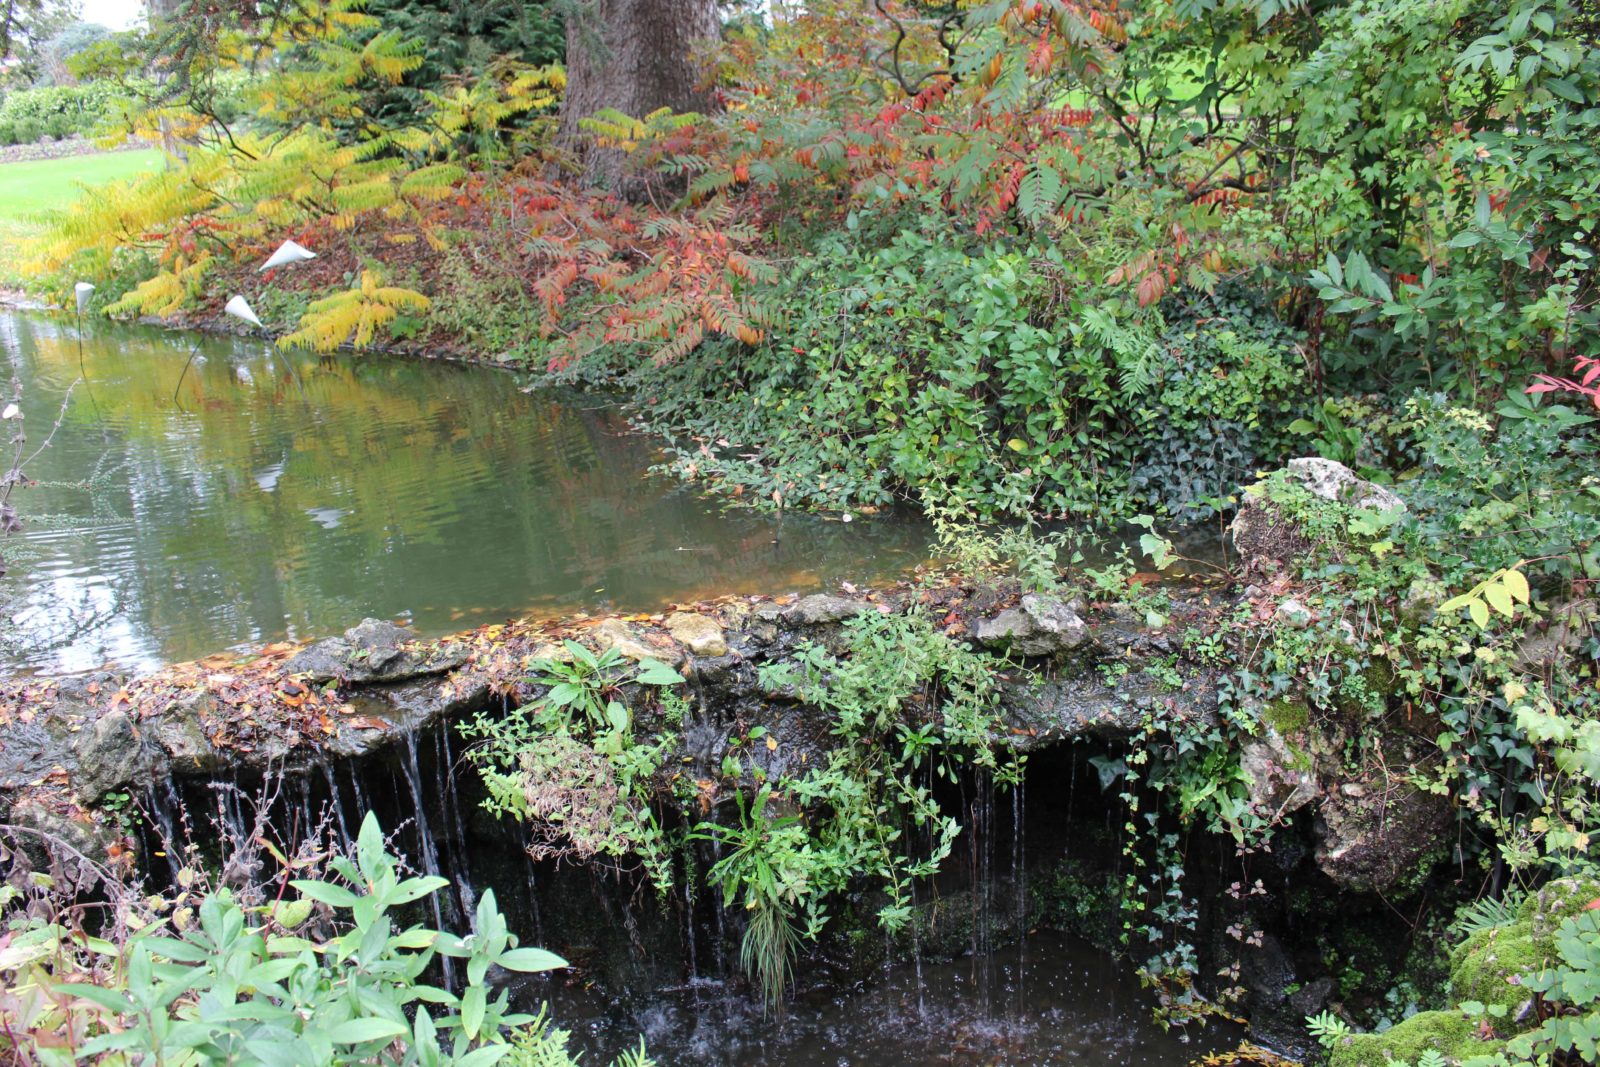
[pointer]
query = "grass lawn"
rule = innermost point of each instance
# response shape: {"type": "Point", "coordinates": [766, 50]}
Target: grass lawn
{"type": "Point", "coordinates": [40, 185]}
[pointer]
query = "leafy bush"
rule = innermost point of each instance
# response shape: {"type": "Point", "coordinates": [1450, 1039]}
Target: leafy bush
{"type": "Point", "coordinates": [567, 763]}
{"type": "Point", "coordinates": [325, 974]}
{"type": "Point", "coordinates": [942, 369]}
{"type": "Point", "coordinates": [61, 110]}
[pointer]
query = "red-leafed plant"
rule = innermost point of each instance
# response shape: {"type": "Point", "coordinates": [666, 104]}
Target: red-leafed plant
{"type": "Point", "coordinates": [1587, 368]}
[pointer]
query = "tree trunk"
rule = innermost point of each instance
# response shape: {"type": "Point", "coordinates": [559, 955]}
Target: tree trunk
{"type": "Point", "coordinates": [634, 56]}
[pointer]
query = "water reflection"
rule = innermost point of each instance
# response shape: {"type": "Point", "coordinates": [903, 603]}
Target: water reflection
{"type": "Point", "coordinates": [243, 510]}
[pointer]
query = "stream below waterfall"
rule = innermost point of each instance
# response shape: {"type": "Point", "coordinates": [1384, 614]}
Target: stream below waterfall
{"type": "Point", "coordinates": [1047, 1000]}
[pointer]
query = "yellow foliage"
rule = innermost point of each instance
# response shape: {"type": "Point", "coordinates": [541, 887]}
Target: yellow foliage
{"type": "Point", "coordinates": [241, 189]}
{"type": "Point", "coordinates": [167, 292]}
{"type": "Point", "coordinates": [127, 213]}
{"type": "Point", "coordinates": [615, 129]}
{"type": "Point", "coordinates": [353, 315]}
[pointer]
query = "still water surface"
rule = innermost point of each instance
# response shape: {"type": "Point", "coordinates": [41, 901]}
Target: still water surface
{"type": "Point", "coordinates": [290, 496]}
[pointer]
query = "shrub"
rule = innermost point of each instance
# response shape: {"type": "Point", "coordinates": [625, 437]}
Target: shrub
{"type": "Point", "coordinates": [937, 368]}
{"type": "Point", "coordinates": [69, 109]}
{"type": "Point", "coordinates": [321, 975]}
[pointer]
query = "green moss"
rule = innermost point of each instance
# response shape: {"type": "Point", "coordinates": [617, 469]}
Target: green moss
{"type": "Point", "coordinates": [1558, 901]}
{"type": "Point", "coordinates": [1450, 1032]}
{"type": "Point", "coordinates": [1483, 966]}
{"type": "Point", "coordinates": [1287, 716]}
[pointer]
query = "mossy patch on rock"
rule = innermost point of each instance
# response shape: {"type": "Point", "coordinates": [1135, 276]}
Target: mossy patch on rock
{"type": "Point", "coordinates": [1451, 1033]}
{"type": "Point", "coordinates": [1287, 715]}
{"type": "Point", "coordinates": [1489, 965]}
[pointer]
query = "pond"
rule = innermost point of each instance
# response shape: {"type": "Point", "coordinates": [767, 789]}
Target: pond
{"type": "Point", "coordinates": [279, 496]}
{"type": "Point", "coordinates": [1047, 1000]}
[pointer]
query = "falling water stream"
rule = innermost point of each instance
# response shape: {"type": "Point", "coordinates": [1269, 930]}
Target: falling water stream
{"type": "Point", "coordinates": [1002, 994]}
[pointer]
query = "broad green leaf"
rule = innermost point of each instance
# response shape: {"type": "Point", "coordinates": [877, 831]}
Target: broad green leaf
{"type": "Point", "coordinates": [335, 896]}
{"type": "Point", "coordinates": [530, 959]}
{"type": "Point", "coordinates": [1479, 612]}
{"type": "Point", "coordinates": [617, 716]}
{"type": "Point", "coordinates": [1516, 584]}
{"type": "Point", "coordinates": [654, 672]}
{"type": "Point", "coordinates": [359, 1031]}
{"type": "Point", "coordinates": [1498, 598]}
{"type": "Point", "coordinates": [414, 889]}
{"type": "Point", "coordinates": [109, 999]}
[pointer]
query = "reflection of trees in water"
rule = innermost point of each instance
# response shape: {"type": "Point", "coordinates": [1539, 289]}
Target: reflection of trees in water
{"type": "Point", "coordinates": [39, 612]}
{"type": "Point", "coordinates": [389, 486]}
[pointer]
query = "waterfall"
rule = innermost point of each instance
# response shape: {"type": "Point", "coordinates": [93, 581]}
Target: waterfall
{"type": "Point", "coordinates": [162, 806]}
{"type": "Point", "coordinates": [456, 838]}
{"type": "Point", "coordinates": [337, 801]}
{"type": "Point", "coordinates": [428, 853]}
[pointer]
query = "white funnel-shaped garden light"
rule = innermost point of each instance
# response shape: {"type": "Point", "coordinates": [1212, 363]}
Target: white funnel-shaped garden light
{"type": "Point", "coordinates": [288, 252]}
{"type": "Point", "coordinates": [81, 292]}
{"type": "Point", "coordinates": [240, 309]}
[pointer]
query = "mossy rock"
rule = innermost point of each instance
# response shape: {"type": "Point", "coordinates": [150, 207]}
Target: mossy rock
{"type": "Point", "coordinates": [1557, 902]}
{"type": "Point", "coordinates": [1287, 715]}
{"type": "Point", "coordinates": [1488, 964]}
{"type": "Point", "coordinates": [1450, 1032]}
{"type": "Point", "coordinates": [1486, 967]}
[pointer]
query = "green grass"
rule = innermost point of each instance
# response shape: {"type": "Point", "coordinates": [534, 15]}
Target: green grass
{"type": "Point", "coordinates": [26, 189]}
{"type": "Point", "coordinates": [40, 185]}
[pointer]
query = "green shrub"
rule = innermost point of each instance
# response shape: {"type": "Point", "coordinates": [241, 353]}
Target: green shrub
{"type": "Point", "coordinates": [325, 974]}
{"type": "Point", "coordinates": [939, 370]}
{"type": "Point", "coordinates": [61, 110]}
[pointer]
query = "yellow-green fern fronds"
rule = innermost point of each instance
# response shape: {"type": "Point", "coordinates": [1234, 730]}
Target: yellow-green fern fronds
{"type": "Point", "coordinates": [614, 129]}
{"type": "Point", "coordinates": [140, 211]}
{"type": "Point", "coordinates": [166, 293]}
{"type": "Point", "coordinates": [433, 182]}
{"type": "Point", "coordinates": [353, 315]}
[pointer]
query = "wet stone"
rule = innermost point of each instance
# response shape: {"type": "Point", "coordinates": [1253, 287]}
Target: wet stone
{"type": "Point", "coordinates": [1038, 626]}
{"type": "Point", "coordinates": [110, 753]}
{"type": "Point", "coordinates": [699, 634]}
{"type": "Point", "coordinates": [372, 651]}
{"type": "Point", "coordinates": [821, 609]}
{"type": "Point", "coordinates": [614, 633]}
